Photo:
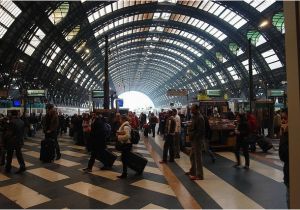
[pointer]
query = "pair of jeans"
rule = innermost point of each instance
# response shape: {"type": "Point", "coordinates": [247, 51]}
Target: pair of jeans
{"type": "Point", "coordinates": [168, 147]}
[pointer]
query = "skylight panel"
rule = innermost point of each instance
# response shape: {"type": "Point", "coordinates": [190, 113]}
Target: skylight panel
{"type": "Point", "coordinates": [233, 73]}
{"type": "Point", "coordinates": [211, 80]}
{"type": "Point", "coordinates": [261, 5]}
{"type": "Point", "coordinates": [165, 15]}
{"type": "Point", "coordinates": [60, 13]}
{"type": "Point", "coordinates": [34, 42]}
{"type": "Point", "coordinates": [219, 10]}
{"type": "Point", "coordinates": [73, 33]}
{"type": "Point", "coordinates": [156, 15]}
{"type": "Point", "coordinates": [272, 59]}
{"type": "Point", "coordinates": [220, 77]}
{"type": "Point", "coordinates": [8, 15]}
{"type": "Point", "coordinates": [246, 65]}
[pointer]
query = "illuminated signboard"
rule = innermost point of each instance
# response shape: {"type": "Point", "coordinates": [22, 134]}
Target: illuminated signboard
{"type": "Point", "coordinates": [214, 93]}
{"type": "Point", "coordinates": [98, 93]}
{"type": "Point", "coordinates": [120, 102]}
{"type": "Point", "coordinates": [36, 93]}
{"type": "Point", "coordinates": [275, 92]}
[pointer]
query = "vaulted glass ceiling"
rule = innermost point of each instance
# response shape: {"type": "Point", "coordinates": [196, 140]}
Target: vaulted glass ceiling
{"type": "Point", "coordinates": [153, 46]}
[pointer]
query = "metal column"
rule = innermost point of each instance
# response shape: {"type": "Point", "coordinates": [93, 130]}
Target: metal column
{"type": "Point", "coordinates": [106, 81]}
{"type": "Point", "coordinates": [250, 75]}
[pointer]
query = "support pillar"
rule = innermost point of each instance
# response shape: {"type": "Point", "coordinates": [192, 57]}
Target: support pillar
{"type": "Point", "coordinates": [292, 49]}
{"type": "Point", "coordinates": [250, 76]}
{"type": "Point", "coordinates": [106, 81]}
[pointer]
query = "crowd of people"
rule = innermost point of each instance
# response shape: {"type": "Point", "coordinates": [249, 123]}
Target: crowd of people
{"type": "Point", "coordinates": [94, 131]}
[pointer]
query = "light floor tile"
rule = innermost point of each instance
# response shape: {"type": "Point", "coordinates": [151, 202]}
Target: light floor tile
{"type": "Point", "coordinates": [66, 163]}
{"type": "Point", "coordinates": [258, 167]}
{"type": "Point", "coordinates": [74, 154]}
{"type": "Point", "coordinates": [49, 175]}
{"type": "Point", "coordinates": [3, 178]}
{"type": "Point", "coordinates": [99, 193]}
{"type": "Point", "coordinates": [276, 157]}
{"type": "Point", "coordinates": [110, 147]}
{"type": "Point", "coordinates": [152, 170]}
{"type": "Point", "coordinates": [223, 193]}
{"type": "Point", "coordinates": [64, 144]}
{"type": "Point", "coordinates": [152, 206]}
{"type": "Point", "coordinates": [141, 151]}
{"type": "Point", "coordinates": [31, 144]}
{"type": "Point", "coordinates": [149, 159]}
{"type": "Point", "coordinates": [105, 173]}
{"type": "Point", "coordinates": [77, 147]}
{"type": "Point", "coordinates": [23, 196]}
{"type": "Point", "coordinates": [117, 163]}
{"type": "Point", "coordinates": [139, 146]}
{"type": "Point", "coordinates": [154, 186]}
{"type": "Point", "coordinates": [15, 163]}
{"type": "Point", "coordinates": [32, 154]}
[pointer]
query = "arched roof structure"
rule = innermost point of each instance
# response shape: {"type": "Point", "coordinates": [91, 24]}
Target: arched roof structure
{"type": "Point", "coordinates": [153, 45]}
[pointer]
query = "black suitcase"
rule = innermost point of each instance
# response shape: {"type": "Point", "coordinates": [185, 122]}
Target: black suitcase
{"type": "Point", "coordinates": [107, 158]}
{"type": "Point", "coordinates": [136, 162]}
{"type": "Point", "coordinates": [265, 144]}
{"type": "Point", "coordinates": [47, 152]}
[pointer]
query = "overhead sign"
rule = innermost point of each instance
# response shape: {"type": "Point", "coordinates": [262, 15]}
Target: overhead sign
{"type": "Point", "coordinates": [120, 102]}
{"type": "Point", "coordinates": [177, 92]}
{"type": "Point", "coordinates": [275, 92]}
{"type": "Point", "coordinates": [36, 93]}
{"type": "Point", "coordinates": [97, 93]}
{"type": "Point", "coordinates": [214, 93]}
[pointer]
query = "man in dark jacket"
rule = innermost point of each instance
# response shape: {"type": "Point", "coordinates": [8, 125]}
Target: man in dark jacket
{"type": "Point", "coordinates": [197, 136]}
{"type": "Point", "coordinates": [169, 138]}
{"type": "Point", "coordinates": [14, 135]}
{"type": "Point", "coordinates": [51, 127]}
{"type": "Point", "coordinates": [98, 145]}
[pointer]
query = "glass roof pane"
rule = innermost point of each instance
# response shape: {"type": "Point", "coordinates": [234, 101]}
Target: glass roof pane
{"type": "Point", "coordinates": [259, 4]}
{"type": "Point", "coordinates": [8, 15]}
{"type": "Point", "coordinates": [60, 13]}
{"type": "Point", "coordinates": [73, 33]}
{"type": "Point", "coordinates": [278, 22]}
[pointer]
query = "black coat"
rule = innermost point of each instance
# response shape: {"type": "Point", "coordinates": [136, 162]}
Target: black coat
{"type": "Point", "coordinates": [97, 136]}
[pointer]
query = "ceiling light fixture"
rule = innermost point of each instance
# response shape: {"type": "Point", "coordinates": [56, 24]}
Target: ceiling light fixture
{"type": "Point", "coordinates": [264, 24]}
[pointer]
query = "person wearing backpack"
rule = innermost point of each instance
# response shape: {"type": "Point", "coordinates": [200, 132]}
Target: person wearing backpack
{"type": "Point", "coordinates": [123, 137]}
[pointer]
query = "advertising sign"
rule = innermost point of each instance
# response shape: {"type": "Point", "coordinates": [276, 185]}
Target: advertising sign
{"type": "Point", "coordinates": [97, 93]}
{"type": "Point", "coordinates": [36, 93]}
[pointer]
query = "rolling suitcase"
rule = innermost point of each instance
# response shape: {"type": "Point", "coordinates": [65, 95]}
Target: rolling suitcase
{"type": "Point", "coordinates": [107, 158]}
{"type": "Point", "coordinates": [136, 162]}
{"type": "Point", "coordinates": [47, 152]}
{"type": "Point", "coordinates": [265, 144]}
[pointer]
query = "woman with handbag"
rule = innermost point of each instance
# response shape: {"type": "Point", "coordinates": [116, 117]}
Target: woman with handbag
{"type": "Point", "coordinates": [242, 133]}
{"type": "Point", "coordinates": [123, 140]}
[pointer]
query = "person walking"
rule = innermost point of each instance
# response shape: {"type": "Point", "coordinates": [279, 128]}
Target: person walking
{"type": "Point", "coordinates": [169, 139]}
{"type": "Point", "coordinates": [97, 138]}
{"type": "Point", "coordinates": [123, 137]}
{"type": "Point", "coordinates": [13, 137]}
{"type": "Point", "coordinates": [242, 133]}
{"type": "Point", "coordinates": [51, 128]}
{"type": "Point", "coordinates": [197, 134]}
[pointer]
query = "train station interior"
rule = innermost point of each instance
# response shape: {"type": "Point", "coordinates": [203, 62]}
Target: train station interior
{"type": "Point", "coordinates": [112, 56]}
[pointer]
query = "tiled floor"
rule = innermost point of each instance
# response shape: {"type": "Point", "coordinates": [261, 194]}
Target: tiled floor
{"type": "Point", "coordinates": [62, 184]}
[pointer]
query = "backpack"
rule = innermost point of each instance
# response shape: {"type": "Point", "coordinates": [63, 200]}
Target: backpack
{"type": "Point", "coordinates": [135, 136]}
{"type": "Point", "coordinates": [107, 130]}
